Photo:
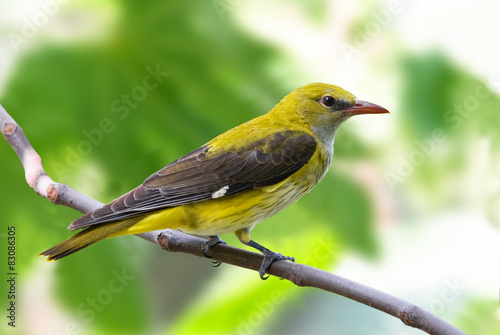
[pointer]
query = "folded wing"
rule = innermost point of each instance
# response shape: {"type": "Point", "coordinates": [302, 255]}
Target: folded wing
{"type": "Point", "coordinates": [208, 173]}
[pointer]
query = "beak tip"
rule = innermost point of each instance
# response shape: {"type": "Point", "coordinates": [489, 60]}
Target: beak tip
{"type": "Point", "coordinates": [365, 107]}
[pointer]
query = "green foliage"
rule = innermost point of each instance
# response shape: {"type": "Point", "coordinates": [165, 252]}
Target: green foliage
{"type": "Point", "coordinates": [479, 317]}
{"type": "Point", "coordinates": [344, 206]}
{"type": "Point", "coordinates": [438, 94]}
{"type": "Point", "coordinates": [445, 114]}
{"type": "Point", "coordinates": [242, 303]}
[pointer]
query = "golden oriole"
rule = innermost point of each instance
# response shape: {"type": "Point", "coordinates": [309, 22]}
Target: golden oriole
{"type": "Point", "coordinates": [234, 181]}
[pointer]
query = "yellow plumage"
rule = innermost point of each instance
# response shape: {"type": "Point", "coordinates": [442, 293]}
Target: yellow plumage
{"type": "Point", "coordinates": [236, 180]}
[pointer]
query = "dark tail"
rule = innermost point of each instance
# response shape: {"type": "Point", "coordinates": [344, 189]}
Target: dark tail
{"type": "Point", "coordinates": [89, 236]}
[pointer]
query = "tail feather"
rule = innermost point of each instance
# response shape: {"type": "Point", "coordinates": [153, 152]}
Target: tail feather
{"type": "Point", "coordinates": [88, 237]}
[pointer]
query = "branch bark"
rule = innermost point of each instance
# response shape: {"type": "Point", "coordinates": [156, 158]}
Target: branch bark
{"type": "Point", "coordinates": [176, 241]}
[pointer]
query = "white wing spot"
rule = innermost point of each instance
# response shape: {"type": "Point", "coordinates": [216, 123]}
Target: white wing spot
{"type": "Point", "coordinates": [220, 193]}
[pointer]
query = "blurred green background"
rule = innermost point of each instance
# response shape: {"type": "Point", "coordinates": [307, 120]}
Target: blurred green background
{"type": "Point", "coordinates": [110, 91]}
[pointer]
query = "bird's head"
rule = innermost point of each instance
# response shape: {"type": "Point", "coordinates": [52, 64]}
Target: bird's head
{"type": "Point", "coordinates": [323, 107]}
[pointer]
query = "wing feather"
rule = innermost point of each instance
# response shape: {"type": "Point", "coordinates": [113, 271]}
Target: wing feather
{"type": "Point", "coordinates": [196, 176]}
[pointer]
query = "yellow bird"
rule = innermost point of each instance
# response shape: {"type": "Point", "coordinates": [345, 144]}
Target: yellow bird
{"type": "Point", "coordinates": [235, 181]}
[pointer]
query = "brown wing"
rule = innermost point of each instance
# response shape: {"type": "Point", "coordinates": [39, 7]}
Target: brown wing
{"type": "Point", "coordinates": [204, 174]}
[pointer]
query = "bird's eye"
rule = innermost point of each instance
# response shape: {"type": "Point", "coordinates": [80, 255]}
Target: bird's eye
{"type": "Point", "coordinates": [327, 101]}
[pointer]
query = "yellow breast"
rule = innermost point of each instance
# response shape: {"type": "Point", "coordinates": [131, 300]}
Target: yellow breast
{"type": "Point", "coordinates": [228, 214]}
{"type": "Point", "coordinates": [245, 210]}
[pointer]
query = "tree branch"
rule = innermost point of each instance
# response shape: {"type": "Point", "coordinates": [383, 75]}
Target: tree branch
{"type": "Point", "coordinates": [175, 241]}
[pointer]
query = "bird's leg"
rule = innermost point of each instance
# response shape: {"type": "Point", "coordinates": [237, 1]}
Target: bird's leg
{"type": "Point", "coordinates": [269, 256]}
{"type": "Point", "coordinates": [215, 239]}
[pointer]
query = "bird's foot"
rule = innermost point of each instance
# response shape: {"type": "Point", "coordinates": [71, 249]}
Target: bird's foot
{"type": "Point", "coordinates": [210, 243]}
{"type": "Point", "coordinates": [269, 258]}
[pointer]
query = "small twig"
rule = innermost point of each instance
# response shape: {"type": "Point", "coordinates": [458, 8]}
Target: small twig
{"type": "Point", "coordinates": [304, 275]}
{"type": "Point", "coordinates": [175, 241]}
{"type": "Point", "coordinates": [37, 178]}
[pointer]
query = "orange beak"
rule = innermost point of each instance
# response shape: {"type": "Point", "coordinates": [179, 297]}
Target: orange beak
{"type": "Point", "coordinates": [365, 107]}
